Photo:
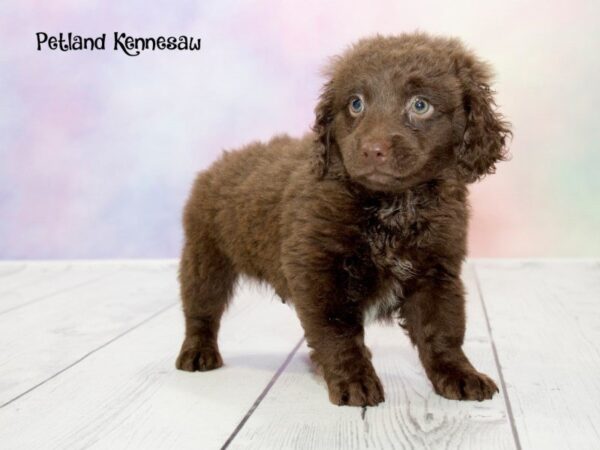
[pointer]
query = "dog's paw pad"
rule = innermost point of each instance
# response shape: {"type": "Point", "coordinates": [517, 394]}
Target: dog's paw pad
{"type": "Point", "coordinates": [465, 385]}
{"type": "Point", "coordinates": [364, 391]}
{"type": "Point", "coordinates": [202, 359]}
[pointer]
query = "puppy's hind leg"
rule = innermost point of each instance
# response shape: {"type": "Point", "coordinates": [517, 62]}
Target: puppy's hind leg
{"type": "Point", "coordinates": [207, 278]}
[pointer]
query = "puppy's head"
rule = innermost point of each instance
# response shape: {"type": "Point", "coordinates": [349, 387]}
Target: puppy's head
{"type": "Point", "coordinates": [399, 111]}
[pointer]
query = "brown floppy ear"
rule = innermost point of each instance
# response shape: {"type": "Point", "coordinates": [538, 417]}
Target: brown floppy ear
{"type": "Point", "coordinates": [486, 132]}
{"type": "Point", "coordinates": [323, 129]}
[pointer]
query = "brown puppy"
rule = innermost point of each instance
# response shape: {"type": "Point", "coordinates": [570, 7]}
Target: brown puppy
{"type": "Point", "coordinates": [366, 218]}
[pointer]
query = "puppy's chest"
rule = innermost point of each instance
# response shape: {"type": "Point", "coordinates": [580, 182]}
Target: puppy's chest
{"type": "Point", "coordinates": [395, 268]}
{"type": "Point", "coordinates": [395, 233]}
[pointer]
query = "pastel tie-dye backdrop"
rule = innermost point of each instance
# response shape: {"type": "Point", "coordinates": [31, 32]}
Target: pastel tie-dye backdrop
{"type": "Point", "coordinates": [98, 149]}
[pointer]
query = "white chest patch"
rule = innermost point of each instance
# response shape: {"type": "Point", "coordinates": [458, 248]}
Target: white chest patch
{"type": "Point", "coordinates": [383, 305]}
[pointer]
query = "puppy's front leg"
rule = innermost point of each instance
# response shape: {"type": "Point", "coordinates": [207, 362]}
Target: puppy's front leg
{"type": "Point", "coordinates": [435, 319]}
{"type": "Point", "coordinates": [336, 337]}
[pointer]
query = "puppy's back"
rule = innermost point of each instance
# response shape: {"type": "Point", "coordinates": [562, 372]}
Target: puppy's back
{"type": "Point", "coordinates": [237, 202]}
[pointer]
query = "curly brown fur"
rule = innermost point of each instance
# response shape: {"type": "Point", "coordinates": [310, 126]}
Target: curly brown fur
{"type": "Point", "coordinates": [366, 218]}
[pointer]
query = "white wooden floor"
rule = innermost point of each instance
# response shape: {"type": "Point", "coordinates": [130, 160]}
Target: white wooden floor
{"type": "Point", "coordinates": [87, 352]}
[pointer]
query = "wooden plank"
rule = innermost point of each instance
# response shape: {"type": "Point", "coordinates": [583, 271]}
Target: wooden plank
{"type": "Point", "coordinates": [42, 338]}
{"type": "Point", "coordinates": [25, 283]}
{"type": "Point", "coordinates": [129, 395]}
{"type": "Point", "coordinates": [9, 269]}
{"type": "Point", "coordinates": [545, 320]}
{"type": "Point", "coordinates": [296, 411]}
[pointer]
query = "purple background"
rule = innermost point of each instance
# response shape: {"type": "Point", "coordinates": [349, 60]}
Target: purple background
{"type": "Point", "coordinates": [98, 149]}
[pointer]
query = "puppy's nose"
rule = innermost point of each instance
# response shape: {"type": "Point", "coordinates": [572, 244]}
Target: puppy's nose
{"type": "Point", "coordinates": [375, 152]}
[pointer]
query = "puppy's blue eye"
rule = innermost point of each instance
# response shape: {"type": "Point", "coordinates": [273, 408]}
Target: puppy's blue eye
{"type": "Point", "coordinates": [357, 106]}
{"type": "Point", "coordinates": [420, 106]}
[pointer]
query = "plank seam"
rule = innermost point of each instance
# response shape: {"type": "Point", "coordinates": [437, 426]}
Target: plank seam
{"type": "Point", "coordinates": [15, 271]}
{"type": "Point", "coordinates": [262, 395]}
{"type": "Point", "coordinates": [22, 394]}
{"type": "Point", "coordinates": [507, 404]}
{"type": "Point", "coordinates": [60, 291]}
{"type": "Point", "coordinates": [36, 281]}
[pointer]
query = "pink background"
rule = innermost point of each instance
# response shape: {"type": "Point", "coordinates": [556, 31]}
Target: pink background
{"type": "Point", "coordinates": [98, 149]}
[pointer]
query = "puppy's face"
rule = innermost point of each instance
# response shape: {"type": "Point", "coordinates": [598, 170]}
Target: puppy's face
{"type": "Point", "coordinates": [394, 128]}
{"type": "Point", "coordinates": [401, 111]}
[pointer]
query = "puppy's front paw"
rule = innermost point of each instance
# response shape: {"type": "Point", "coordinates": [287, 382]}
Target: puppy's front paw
{"type": "Point", "coordinates": [464, 384]}
{"type": "Point", "coordinates": [198, 358]}
{"type": "Point", "coordinates": [364, 390]}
